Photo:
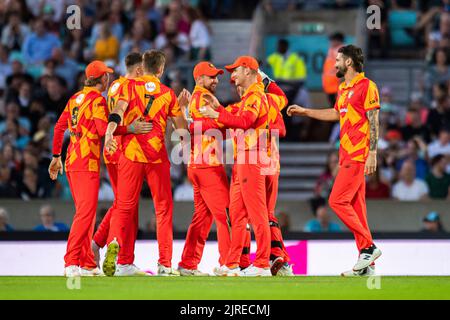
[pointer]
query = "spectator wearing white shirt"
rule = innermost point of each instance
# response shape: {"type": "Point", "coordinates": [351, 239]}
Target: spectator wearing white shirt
{"type": "Point", "coordinates": [409, 188]}
{"type": "Point", "coordinates": [440, 145]}
{"type": "Point", "coordinates": [200, 35]}
{"type": "Point", "coordinates": [184, 192]}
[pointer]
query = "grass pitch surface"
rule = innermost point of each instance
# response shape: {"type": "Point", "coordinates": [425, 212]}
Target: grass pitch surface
{"type": "Point", "coordinates": [212, 288]}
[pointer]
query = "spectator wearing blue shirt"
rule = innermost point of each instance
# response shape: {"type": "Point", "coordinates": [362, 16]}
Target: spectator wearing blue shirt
{"type": "Point", "coordinates": [38, 46]}
{"type": "Point", "coordinates": [47, 215]}
{"type": "Point", "coordinates": [66, 67]}
{"type": "Point", "coordinates": [4, 226]}
{"type": "Point", "coordinates": [323, 222]}
{"type": "Point", "coordinates": [415, 150]}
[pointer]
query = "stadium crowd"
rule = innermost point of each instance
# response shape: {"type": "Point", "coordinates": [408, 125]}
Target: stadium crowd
{"type": "Point", "coordinates": [41, 63]}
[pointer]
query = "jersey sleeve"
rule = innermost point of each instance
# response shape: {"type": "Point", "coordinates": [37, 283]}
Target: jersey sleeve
{"type": "Point", "coordinates": [248, 116]}
{"type": "Point", "coordinates": [100, 115]}
{"type": "Point", "coordinates": [372, 98]}
{"type": "Point", "coordinates": [60, 127]}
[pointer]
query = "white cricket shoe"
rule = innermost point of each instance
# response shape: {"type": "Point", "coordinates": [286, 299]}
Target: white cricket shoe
{"type": "Point", "coordinates": [95, 272]}
{"type": "Point", "coordinates": [72, 271]}
{"type": "Point", "coordinates": [367, 257]}
{"type": "Point", "coordinates": [96, 251]}
{"type": "Point", "coordinates": [191, 272]}
{"type": "Point", "coordinates": [224, 271]}
{"type": "Point", "coordinates": [129, 270]}
{"type": "Point", "coordinates": [286, 271]}
{"type": "Point", "coordinates": [253, 271]}
{"type": "Point", "coordinates": [366, 272]}
{"type": "Point", "coordinates": [167, 271]}
{"type": "Point", "coordinates": [109, 265]}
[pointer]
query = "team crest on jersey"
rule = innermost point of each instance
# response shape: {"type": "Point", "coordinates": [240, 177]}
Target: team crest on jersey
{"type": "Point", "coordinates": [350, 94]}
{"type": "Point", "coordinates": [115, 87]}
{"type": "Point", "coordinates": [80, 98]}
{"type": "Point", "coordinates": [150, 86]}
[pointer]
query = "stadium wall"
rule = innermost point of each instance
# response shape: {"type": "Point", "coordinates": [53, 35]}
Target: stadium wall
{"type": "Point", "coordinates": [309, 257]}
{"type": "Point", "coordinates": [385, 215]}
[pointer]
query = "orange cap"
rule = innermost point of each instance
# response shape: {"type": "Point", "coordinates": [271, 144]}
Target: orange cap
{"type": "Point", "coordinates": [206, 68]}
{"type": "Point", "coordinates": [244, 61]}
{"type": "Point", "coordinates": [96, 69]}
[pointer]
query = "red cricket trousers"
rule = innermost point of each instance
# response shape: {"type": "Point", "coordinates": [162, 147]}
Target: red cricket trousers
{"type": "Point", "coordinates": [248, 202]}
{"type": "Point", "coordinates": [101, 235]}
{"type": "Point", "coordinates": [211, 199]}
{"type": "Point", "coordinates": [123, 217]}
{"type": "Point", "coordinates": [347, 199]}
{"type": "Point", "coordinates": [84, 186]}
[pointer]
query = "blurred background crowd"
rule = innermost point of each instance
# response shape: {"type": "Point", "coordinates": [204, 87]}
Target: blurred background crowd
{"type": "Point", "coordinates": [42, 63]}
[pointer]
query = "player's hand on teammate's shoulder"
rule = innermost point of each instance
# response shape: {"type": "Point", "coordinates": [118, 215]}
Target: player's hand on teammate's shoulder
{"type": "Point", "coordinates": [55, 167]}
{"type": "Point", "coordinates": [140, 127]}
{"type": "Point", "coordinates": [296, 110]}
{"type": "Point", "coordinates": [209, 112]}
{"type": "Point", "coordinates": [211, 100]}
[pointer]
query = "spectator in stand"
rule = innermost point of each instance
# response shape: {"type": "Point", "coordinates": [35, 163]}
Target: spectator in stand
{"type": "Point", "coordinates": [416, 128]}
{"type": "Point", "coordinates": [322, 222]}
{"type": "Point", "coordinates": [38, 46]}
{"type": "Point", "coordinates": [326, 179]}
{"type": "Point", "coordinates": [152, 14]}
{"type": "Point", "coordinates": [74, 45]}
{"type": "Point", "coordinates": [65, 67]}
{"type": "Point", "coordinates": [330, 82]}
{"type": "Point", "coordinates": [176, 12]}
{"type": "Point", "coordinates": [375, 188]}
{"type": "Point", "coordinates": [184, 192]}
{"type": "Point", "coordinates": [200, 35]}
{"type": "Point", "coordinates": [432, 223]}
{"type": "Point", "coordinates": [439, 71]}
{"type": "Point", "coordinates": [29, 188]}
{"type": "Point", "coordinates": [47, 215]}
{"type": "Point", "coordinates": [171, 38]}
{"type": "Point", "coordinates": [438, 180]}
{"type": "Point", "coordinates": [441, 145]}
{"type": "Point", "coordinates": [136, 41]}
{"type": "Point", "coordinates": [106, 47]}
{"type": "Point", "coordinates": [14, 33]}
{"type": "Point", "coordinates": [439, 115]}
{"type": "Point", "coordinates": [415, 151]}
{"type": "Point", "coordinates": [7, 187]}
{"type": "Point", "coordinates": [5, 68]}
{"type": "Point", "coordinates": [13, 114]}
{"type": "Point", "coordinates": [4, 226]}
{"type": "Point", "coordinates": [55, 97]}
{"type": "Point", "coordinates": [391, 112]}
{"type": "Point", "coordinates": [409, 188]}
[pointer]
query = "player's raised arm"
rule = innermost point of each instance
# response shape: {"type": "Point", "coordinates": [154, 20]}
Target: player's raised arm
{"type": "Point", "coordinates": [328, 114]}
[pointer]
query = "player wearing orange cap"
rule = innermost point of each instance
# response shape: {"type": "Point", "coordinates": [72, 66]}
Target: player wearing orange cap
{"type": "Point", "coordinates": [85, 115]}
{"type": "Point", "coordinates": [133, 63]}
{"type": "Point", "coordinates": [209, 180]}
{"type": "Point", "coordinates": [143, 156]}
{"type": "Point", "coordinates": [247, 190]}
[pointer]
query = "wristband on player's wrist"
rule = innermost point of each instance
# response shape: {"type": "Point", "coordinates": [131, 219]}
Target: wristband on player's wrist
{"type": "Point", "coordinates": [56, 155]}
{"type": "Point", "coordinates": [131, 128]}
{"type": "Point", "coordinates": [114, 117]}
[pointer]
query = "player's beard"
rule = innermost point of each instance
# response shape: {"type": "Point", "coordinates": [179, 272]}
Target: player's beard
{"type": "Point", "coordinates": [341, 72]}
{"type": "Point", "coordinates": [212, 88]}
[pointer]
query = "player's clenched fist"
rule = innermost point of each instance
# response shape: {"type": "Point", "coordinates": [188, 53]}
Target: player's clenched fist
{"type": "Point", "coordinates": [295, 110]}
{"type": "Point", "coordinates": [55, 167]}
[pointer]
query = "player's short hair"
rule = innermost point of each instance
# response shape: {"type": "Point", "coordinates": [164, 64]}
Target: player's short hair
{"type": "Point", "coordinates": [355, 53]}
{"type": "Point", "coordinates": [92, 82]}
{"type": "Point", "coordinates": [337, 36]}
{"type": "Point", "coordinates": [153, 60]}
{"type": "Point", "coordinates": [133, 59]}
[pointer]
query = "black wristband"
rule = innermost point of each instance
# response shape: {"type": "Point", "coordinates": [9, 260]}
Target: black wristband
{"type": "Point", "coordinates": [114, 117]}
{"type": "Point", "coordinates": [56, 155]}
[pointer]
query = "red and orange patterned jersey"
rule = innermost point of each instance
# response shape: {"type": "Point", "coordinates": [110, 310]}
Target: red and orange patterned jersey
{"type": "Point", "coordinates": [252, 114]}
{"type": "Point", "coordinates": [113, 96]}
{"type": "Point", "coordinates": [353, 101]}
{"type": "Point", "coordinates": [206, 150]}
{"type": "Point", "coordinates": [150, 100]}
{"type": "Point", "coordinates": [276, 122]}
{"type": "Point", "coordinates": [85, 115]}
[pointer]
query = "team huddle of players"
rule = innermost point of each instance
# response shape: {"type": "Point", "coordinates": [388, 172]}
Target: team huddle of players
{"type": "Point", "coordinates": [133, 121]}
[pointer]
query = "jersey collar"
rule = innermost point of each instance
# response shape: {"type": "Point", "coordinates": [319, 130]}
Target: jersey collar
{"type": "Point", "coordinates": [354, 81]}
{"type": "Point", "coordinates": [255, 87]}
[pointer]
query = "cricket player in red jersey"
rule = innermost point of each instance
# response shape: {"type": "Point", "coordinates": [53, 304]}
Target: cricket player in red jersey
{"type": "Point", "coordinates": [133, 63]}
{"type": "Point", "coordinates": [356, 108]}
{"type": "Point", "coordinates": [247, 190]}
{"type": "Point", "coordinates": [85, 115]}
{"type": "Point", "coordinates": [143, 156]}
{"type": "Point", "coordinates": [209, 180]}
